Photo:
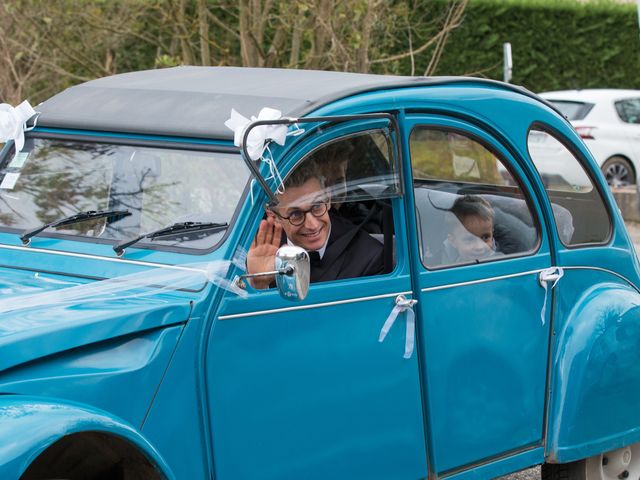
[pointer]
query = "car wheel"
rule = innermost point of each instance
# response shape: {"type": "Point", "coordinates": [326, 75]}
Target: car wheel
{"type": "Point", "coordinates": [618, 172]}
{"type": "Point", "coordinates": [617, 464]}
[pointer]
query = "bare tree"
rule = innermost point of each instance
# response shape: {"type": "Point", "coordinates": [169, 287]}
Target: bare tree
{"type": "Point", "coordinates": [19, 55]}
{"type": "Point", "coordinates": [47, 46]}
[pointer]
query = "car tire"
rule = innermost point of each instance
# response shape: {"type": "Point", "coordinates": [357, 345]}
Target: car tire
{"type": "Point", "coordinates": [617, 464]}
{"type": "Point", "coordinates": [619, 172]}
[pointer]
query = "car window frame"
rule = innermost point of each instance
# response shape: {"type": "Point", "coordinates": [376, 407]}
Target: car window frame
{"type": "Point", "coordinates": [584, 164]}
{"type": "Point", "coordinates": [322, 136]}
{"type": "Point", "coordinates": [528, 195]}
{"type": "Point", "coordinates": [135, 141]}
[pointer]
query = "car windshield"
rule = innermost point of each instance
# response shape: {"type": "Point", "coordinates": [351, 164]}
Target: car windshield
{"type": "Point", "coordinates": [573, 110]}
{"type": "Point", "coordinates": [52, 179]}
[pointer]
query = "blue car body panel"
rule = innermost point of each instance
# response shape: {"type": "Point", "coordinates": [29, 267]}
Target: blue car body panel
{"type": "Point", "coordinates": [30, 424]}
{"type": "Point", "coordinates": [596, 363]}
{"type": "Point", "coordinates": [209, 384]}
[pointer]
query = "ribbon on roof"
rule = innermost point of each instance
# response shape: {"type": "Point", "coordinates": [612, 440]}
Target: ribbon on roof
{"type": "Point", "coordinates": [13, 123]}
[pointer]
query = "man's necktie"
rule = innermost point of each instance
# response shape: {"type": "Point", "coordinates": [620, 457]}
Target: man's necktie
{"type": "Point", "coordinates": [315, 259]}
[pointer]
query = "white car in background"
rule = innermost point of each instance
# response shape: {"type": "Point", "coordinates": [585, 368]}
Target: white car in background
{"type": "Point", "coordinates": [608, 120]}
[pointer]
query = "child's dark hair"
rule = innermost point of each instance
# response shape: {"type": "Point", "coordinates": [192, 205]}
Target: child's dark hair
{"type": "Point", "coordinates": [472, 206]}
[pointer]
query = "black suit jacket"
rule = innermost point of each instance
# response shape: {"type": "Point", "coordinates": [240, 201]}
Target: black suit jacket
{"type": "Point", "coordinates": [350, 253]}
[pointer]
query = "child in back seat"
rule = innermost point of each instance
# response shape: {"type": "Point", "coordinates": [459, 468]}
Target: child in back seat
{"type": "Point", "coordinates": [471, 231]}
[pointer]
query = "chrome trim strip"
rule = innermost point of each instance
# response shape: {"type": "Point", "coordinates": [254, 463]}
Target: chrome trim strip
{"type": "Point", "coordinates": [316, 305]}
{"type": "Point", "coordinates": [488, 461]}
{"type": "Point", "coordinates": [481, 280]}
{"type": "Point", "coordinates": [521, 274]}
{"type": "Point", "coordinates": [97, 257]}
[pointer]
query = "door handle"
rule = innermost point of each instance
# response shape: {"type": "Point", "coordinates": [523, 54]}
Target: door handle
{"type": "Point", "coordinates": [550, 275]}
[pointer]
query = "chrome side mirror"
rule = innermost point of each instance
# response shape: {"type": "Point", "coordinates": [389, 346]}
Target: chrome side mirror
{"type": "Point", "coordinates": [293, 267]}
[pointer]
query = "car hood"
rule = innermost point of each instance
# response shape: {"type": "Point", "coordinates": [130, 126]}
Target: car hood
{"type": "Point", "coordinates": [44, 314]}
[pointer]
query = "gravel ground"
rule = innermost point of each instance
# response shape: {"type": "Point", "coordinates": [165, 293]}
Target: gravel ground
{"type": "Point", "coordinates": [529, 474]}
{"type": "Point", "coordinates": [534, 473]}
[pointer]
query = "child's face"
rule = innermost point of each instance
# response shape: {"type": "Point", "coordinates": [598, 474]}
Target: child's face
{"type": "Point", "coordinates": [473, 238]}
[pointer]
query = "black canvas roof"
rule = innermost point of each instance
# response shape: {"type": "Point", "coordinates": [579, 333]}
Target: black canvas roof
{"type": "Point", "coordinates": [196, 101]}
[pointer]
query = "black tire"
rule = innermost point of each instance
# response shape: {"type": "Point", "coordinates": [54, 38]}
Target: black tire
{"type": "Point", "coordinates": [563, 471]}
{"type": "Point", "coordinates": [619, 172]}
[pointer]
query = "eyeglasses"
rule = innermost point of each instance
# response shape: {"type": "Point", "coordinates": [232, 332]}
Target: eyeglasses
{"type": "Point", "coordinates": [298, 216]}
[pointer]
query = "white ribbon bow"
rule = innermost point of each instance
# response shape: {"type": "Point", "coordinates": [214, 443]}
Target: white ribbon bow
{"type": "Point", "coordinates": [402, 305]}
{"type": "Point", "coordinates": [259, 136]}
{"type": "Point", "coordinates": [552, 274]}
{"type": "Point", "coordinates": [13, 123]}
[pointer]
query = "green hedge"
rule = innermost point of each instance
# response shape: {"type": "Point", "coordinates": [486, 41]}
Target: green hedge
{"type": "Point", "coordinates": [556, 44]}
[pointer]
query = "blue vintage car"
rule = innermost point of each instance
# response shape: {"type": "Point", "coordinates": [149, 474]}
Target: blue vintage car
{"type": "Point", "coordinates": [497, 329]}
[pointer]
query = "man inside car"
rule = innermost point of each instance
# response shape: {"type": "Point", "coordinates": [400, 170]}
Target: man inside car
{"type": "Point", "coordinates": [337, 248]}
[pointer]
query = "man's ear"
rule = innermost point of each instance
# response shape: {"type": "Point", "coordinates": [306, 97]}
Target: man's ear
{"type": "Point", "coordinates": [276, 219]}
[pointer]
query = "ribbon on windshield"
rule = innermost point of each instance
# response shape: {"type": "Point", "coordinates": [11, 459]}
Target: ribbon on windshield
{"type": "Point", "coordinates": [550, 275]}
{"type": "Point", "coordinates": [13, 123]}
{"type": "Point", "coordinates": [403, 305]}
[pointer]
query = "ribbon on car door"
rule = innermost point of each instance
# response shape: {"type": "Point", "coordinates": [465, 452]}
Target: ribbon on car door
{"type": "Point", "coordinates": [550, 275]}
{"type": "Point", "coordinates": [403, 305]}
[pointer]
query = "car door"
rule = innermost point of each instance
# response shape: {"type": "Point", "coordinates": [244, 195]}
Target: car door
{"type": "Point", "coordinates": [306, 390]}
{"type": "Point", "coordinates": [484, 331]}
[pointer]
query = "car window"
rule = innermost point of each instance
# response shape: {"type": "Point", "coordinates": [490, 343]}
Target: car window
{"type": "Point", "coordinates": [573, 110]}
{"type": "Point", "coordinates": [580, 213]}
{"type": "Point", "coordinates": [469, 206]}
{"type": "Point", "coordinates": [629, 110]}
{"type": "Point", "coordinates": [52, 179]}
{"type": "Point", "coordinates": [335, 204]}
{"type": "Point", "coordinates": [357, 167]}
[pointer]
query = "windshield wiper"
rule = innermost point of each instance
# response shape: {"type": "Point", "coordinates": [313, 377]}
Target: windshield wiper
{"type": "Point", "coordinates": [77, 218]}
{"type": "Point", "coordinates": [182, 227]}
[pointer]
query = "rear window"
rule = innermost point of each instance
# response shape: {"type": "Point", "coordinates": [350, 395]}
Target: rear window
{"type": "Point", "coordinates": [629, 110]}
{"type": "Point", "coordinates": [52, 179]}
{"type": "Point", "coordinates": [580, 213]}
{"type": "Point", "coordinates": [573, 110]}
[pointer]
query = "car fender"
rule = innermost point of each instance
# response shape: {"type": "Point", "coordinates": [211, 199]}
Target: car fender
{"type": "Point", "coordinates": [596, 373]}
{"type": "Point", "coordinates": [29, 425]}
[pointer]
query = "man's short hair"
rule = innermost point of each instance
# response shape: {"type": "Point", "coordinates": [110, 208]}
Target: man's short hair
{"type": "Point", "coordinates": [472, 206]}
{"type": "Point", "coordinates": [303, 174]}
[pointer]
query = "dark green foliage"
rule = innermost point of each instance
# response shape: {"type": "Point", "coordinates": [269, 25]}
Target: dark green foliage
{"type": "Point", "coordinates": [556, 44]}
